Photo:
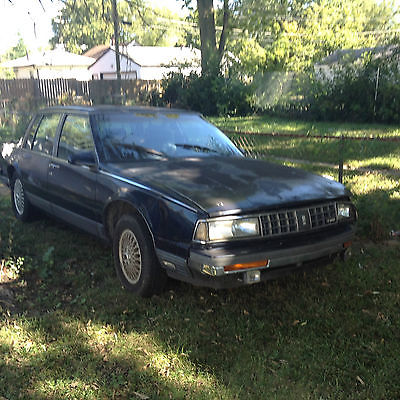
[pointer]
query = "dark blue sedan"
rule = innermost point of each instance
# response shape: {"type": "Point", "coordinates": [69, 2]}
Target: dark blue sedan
{"type": "Point", "coordinates": [175, 197]}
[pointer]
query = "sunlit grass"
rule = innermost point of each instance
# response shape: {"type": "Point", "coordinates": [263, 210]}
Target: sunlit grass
{"type": "Point", "coordinates": [373, 154]}
{"type": "Point", "coordinates": [331, 333]}
{"type": "Point", "coordinates": [268, 124]}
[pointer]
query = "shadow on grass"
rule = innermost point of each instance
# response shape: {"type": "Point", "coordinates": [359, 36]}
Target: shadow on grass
{"type": "Point", "coordinates": [78, 335]}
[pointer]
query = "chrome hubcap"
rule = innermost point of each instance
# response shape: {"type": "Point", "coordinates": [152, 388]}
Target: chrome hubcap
{"type": "Point", "coordinates": [130, 257]}
{"type": "Point", "coordinates": [19, 198]}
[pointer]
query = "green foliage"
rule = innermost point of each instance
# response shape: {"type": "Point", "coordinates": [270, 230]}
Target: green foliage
{"type": "Point", "coordinates": [16, 116]}
{"type": "Point", "coordinates": [295, 34]}
{"type": "Point", "coordinates": [209, 95]}
{"type": "Point", "coordinates": [19, 50]}
{"type": "Point", "coordinates": [366, 91]}
{"type": "Point", "coordinates": [83, 24]}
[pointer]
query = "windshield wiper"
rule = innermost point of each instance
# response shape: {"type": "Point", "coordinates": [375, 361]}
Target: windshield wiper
{"type": "Point", "coordinates": [146, 150]}
{"type": "Point", "coordinates": [139, 149]}
{"type": "Point", "coordinates": [196, 148]}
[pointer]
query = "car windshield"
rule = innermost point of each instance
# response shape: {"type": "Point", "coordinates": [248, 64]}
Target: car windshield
{"type": "Point", "coordinates": [138, 135]}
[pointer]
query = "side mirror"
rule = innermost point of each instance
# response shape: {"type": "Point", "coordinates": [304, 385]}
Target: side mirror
{"type": "Point", "coordinates": [85, 158]}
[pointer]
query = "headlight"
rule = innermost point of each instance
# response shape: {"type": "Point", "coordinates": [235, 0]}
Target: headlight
{"type": "Point", "coordinates": [346, 211]}
{"type": "Point", "coordinates": [343, 210]}
{"type": "Point", "coordinates": [226, 229]}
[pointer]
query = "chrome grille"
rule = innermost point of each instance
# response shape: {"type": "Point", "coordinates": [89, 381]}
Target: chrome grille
{"type": "Point", "coordinates": [322, 215]}
{"type": "Point", "coordinates": [298, 220]}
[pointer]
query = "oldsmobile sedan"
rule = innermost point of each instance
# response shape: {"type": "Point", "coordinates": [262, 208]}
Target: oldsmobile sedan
{"type": "Point", "coordinates": [175, 197]}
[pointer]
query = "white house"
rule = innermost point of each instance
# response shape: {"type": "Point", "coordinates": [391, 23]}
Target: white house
{"type": "Point", "coordinates": [51, 64]}
{"type": "Point", "coordinates": [143, 62]}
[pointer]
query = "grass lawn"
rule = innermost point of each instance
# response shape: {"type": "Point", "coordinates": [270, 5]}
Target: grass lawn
{"type": "Point", "coordinates": [74, 333]}
{"type": "Point", "coordinates": [329, 333]}
{"type": "Point", "coordinates": [270, 124]}
{"type": "Point", "coordinates": [367, 154]}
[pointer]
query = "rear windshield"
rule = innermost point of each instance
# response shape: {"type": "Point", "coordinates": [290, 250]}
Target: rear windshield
{"type": "Point", "coordinates": [151, 135]}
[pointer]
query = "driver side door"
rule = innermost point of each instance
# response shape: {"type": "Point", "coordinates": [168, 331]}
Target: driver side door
{"type": "Point", "coordinates": [72, 187]}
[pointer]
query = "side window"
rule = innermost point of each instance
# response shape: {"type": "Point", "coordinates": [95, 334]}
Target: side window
{"type": "Point", "coordinates": [45, 134]}
{"type": "Point", "coordinates": [76, 136]}
{"type": "Point", "coordinates": [32, 132]}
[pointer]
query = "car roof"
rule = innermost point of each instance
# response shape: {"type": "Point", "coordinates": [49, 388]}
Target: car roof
{"type": "Point", "coordinates": [112, 109]}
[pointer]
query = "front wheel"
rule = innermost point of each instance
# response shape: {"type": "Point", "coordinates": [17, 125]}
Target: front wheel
{"type": "Point", "coordinates": [135, 260]}
{"type": "Point", "coordinates": [22, 208]}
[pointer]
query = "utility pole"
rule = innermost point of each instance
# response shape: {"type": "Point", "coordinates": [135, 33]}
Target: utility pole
{"type": "Point", "coordinates": [116, 44]}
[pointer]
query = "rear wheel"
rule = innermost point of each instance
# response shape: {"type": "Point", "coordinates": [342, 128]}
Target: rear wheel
{"type": "Point", "coordinates": [22, 208]}
{"type": "Point", "coordinates": [135, 260]}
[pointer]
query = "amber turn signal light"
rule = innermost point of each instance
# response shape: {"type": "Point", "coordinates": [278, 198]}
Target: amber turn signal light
{"type": "Point", "coordinates": [254, 264]}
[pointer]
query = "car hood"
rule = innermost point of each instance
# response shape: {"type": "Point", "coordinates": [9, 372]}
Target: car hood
{"type": "Point", "coordinates": [230, 185]}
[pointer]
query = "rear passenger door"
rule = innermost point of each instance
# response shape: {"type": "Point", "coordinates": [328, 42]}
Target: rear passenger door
{"type": "Point", "coordinates": [37, 156]}
{"type": "Point", "coordinates": [72, 187]}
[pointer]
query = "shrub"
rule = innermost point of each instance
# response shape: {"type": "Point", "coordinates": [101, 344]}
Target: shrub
{"type": "Point", "coordinates": [210, 95]}
{"type": "Point", "coordinates": [365, 91]}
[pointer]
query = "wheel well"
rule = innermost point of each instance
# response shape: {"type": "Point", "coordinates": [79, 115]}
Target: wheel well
{"type": "Point", "coordinates": [116, 210]}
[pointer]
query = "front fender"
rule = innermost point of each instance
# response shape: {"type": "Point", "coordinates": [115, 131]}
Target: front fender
{"type": "Point", "coordinates": [170, 223]}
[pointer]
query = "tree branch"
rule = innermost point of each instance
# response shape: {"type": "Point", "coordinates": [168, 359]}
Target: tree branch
{"type": "Point", "coordinates": [225, 27]}
{"type": "Point", "coordinates": [137, 8]}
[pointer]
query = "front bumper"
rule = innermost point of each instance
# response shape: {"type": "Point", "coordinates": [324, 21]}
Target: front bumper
{"type": "Point", "coordinates": [283, 257]}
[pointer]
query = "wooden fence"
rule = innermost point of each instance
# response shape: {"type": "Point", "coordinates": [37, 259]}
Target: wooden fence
{"type": "Point", "coordinates": [66, 91]}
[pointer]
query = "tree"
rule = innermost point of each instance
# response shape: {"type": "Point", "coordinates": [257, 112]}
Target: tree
{"type": "Point", "coordinates": [211, 54]}
{"type": "Point", "coordinates": [19, 50]}
{"type": "Point", "coordinates": [83, 24]}
{"type": "Point", "coordinates": [296, 33]}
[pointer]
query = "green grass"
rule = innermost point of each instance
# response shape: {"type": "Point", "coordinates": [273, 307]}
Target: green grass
{"type": "Point", "coordinates": [330, 333]}
{"type": "Point", "coordinates": [268, 124]}
{"type": "Point", "coordinates": [356, 154]}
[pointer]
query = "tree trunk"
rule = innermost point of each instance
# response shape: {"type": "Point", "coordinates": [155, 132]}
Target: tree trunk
{"type": "Point", "coordinates": [209, 55]}
{"type": "Point", "coordinates": [224, 33]}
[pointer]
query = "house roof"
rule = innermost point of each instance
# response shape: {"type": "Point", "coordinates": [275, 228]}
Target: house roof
{"type": "Point", "coordinates": [57, 57]}
{"type": "Point", "coordinates": [153, 56]}
{"type": "Point", "coordinates": [97, 51]}
{"type": "Point", "coordinates": [351, 55]}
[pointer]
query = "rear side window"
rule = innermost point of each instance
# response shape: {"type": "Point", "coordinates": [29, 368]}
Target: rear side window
{"type": "Point", "coordinates": [45, 134]}
{"type": "Point", "coordinates": [32, 132]}
{"type": "Point", "coordinates": [76, 136]}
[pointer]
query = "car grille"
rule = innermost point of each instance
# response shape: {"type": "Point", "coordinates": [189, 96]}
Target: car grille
{"type": "Point", "coordinates": [298, 220]}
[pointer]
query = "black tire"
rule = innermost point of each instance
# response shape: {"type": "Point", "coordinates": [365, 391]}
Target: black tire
{"type": "Point", "coordinates": [23, 209]}
{"type": "Point", "coordinates": [135, 260]}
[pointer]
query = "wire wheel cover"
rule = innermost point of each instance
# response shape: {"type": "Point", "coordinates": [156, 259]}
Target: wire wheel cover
{"type": "Point", "coordinates": [130, 257]}
{"type": "Point", "coordinates": [19, 197]}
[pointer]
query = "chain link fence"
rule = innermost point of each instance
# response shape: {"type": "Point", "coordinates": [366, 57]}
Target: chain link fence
{"type": "Point", "coordinates": [341, 153]}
